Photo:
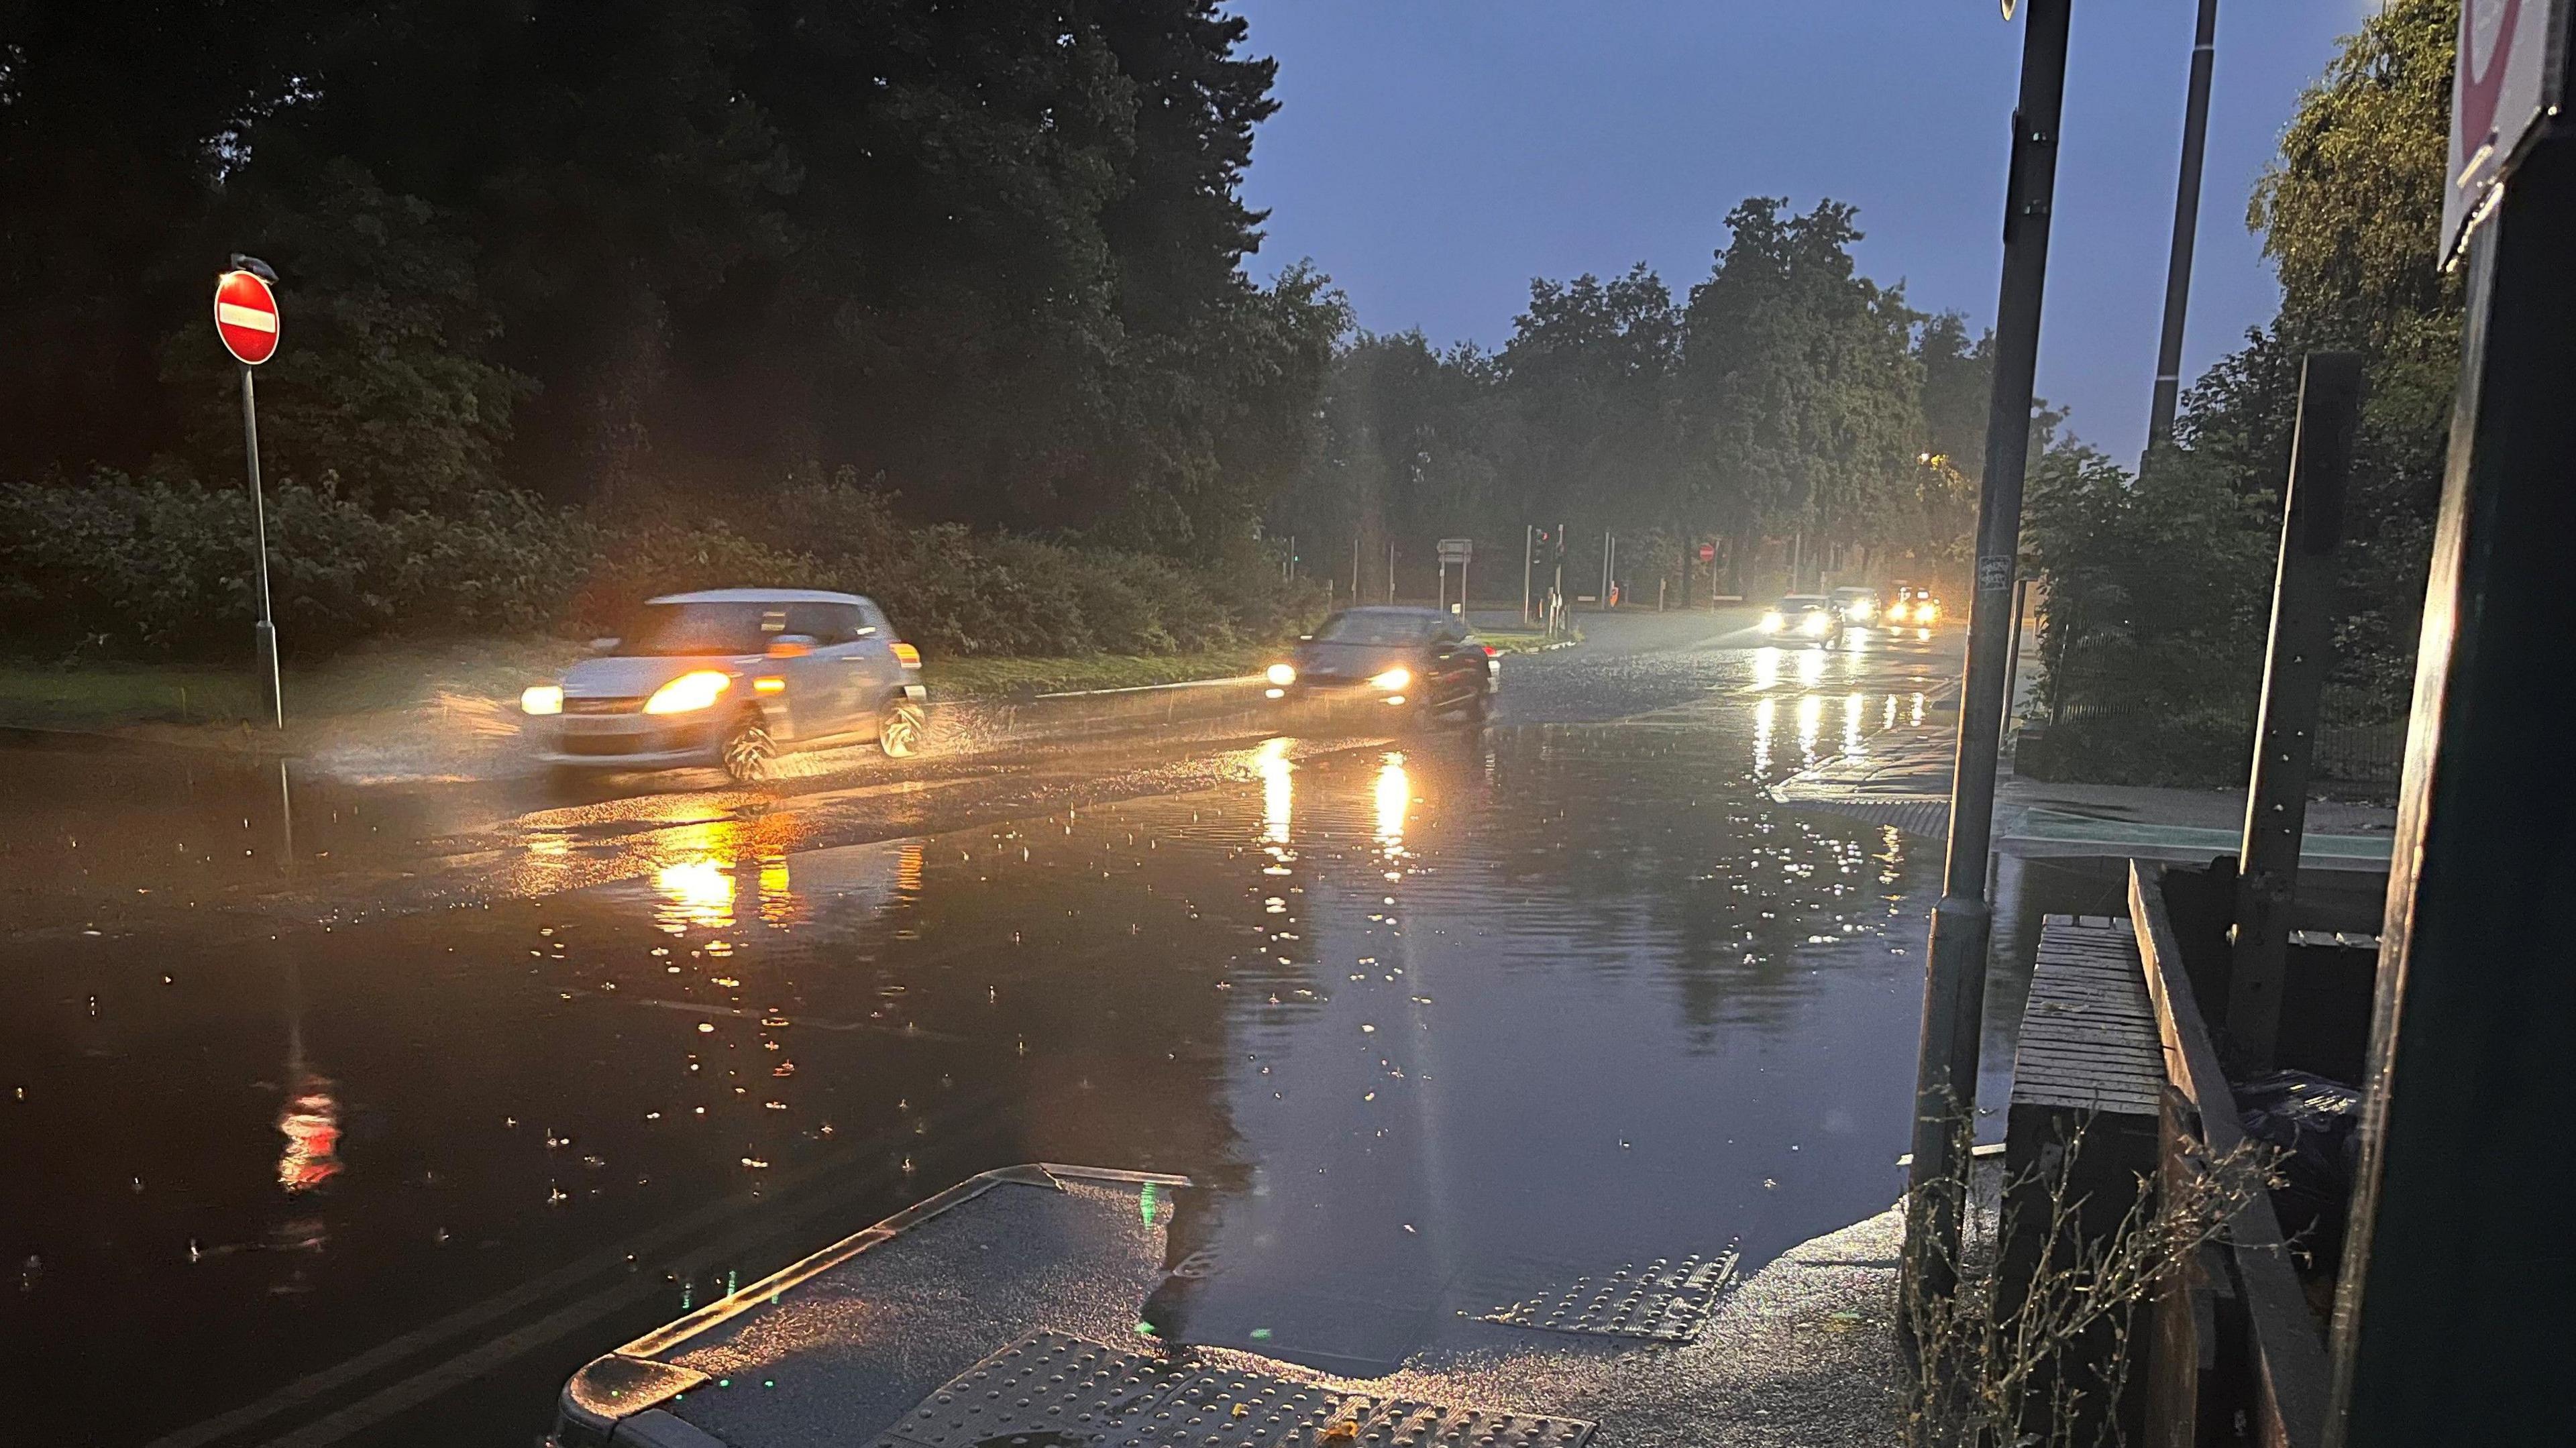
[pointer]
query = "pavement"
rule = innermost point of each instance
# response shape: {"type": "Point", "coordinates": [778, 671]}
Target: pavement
{"type": "Point", "coordinates": [1906, 781]}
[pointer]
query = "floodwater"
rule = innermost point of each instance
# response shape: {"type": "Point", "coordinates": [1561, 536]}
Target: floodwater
{"type": "Point", "coordinates": [1566, 988]}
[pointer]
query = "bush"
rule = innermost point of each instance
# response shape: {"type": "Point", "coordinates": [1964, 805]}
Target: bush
{"type": "Point", "coordinates": [2197, 751]}
{"type": "Point", "coordinates": [153, 567]}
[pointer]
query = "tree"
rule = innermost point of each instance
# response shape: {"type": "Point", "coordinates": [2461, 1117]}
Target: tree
{"type": "Point", "coordinates": [1802, 390]}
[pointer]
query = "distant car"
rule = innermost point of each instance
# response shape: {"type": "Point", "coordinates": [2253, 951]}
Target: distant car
{"type": "Point", "coordinates": [1418, 660]}
{"type": "Point", "coordinates": [733, 678]}
{"type": "Point", "coordinates": [1856, 605]}
{"type": "Point", "coordinates": [1914, 606]}
{"type": "Point", "coordinates": [1806, 618]}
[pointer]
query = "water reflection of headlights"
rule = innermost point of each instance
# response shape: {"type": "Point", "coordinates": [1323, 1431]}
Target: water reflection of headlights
{"type": "Point", "coordinates": [1278, 794]}
{"type": "Point", "coordinates": [1394, 793]}
{"type": "Point", "coordinates": [698, 892]}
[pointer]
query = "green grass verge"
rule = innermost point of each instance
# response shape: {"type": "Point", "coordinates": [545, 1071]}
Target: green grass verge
{"type": "Point", "coordinates": [972, 677]}
{"type": "Point", "coordinates": [167, 698]}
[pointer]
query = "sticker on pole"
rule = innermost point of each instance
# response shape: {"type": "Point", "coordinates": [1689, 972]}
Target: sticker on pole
{"type": "Point", "coordinates": [246, 317]}
{"type": "Point", "coordinates": [2506, 84]}
{"type": "Point", "coordinates": [1994, 572]}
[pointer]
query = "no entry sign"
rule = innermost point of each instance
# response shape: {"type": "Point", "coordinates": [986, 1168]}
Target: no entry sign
{"type": "Point", "coordinates": [2506, 84]}
{"type": "Point", "coordinates": [246, 317]}
{"type": "Point", "coordinates": [1708, 553]}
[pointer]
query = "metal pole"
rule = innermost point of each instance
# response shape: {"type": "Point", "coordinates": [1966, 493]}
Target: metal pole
{"type": "Point", "coordinates": [1390, 570]}
{"type": "Point", "coordinates": [2450, 1323]}
{"type": "Point", "coordinates": [1355, 568]}
{"type": "Point", "coordinates": [2285, 733]}
{"type": "Point", "coordinates": [263, 632]}
{"type": "Point", "coordinates": [2012, 658]}
{"type": "Point", "coordinates": [2195, 143]}
{"type": "Point", "coordinates": [1462, 585]}
{"type": "Point", "coordinates": [1954, 982]}
{"type": "Point", "coordinates": [1605, 568]}
{"type": "Point", "coordinates": [1529, 555]}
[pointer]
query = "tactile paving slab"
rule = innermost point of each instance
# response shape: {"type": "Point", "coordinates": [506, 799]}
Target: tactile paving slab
{"type": "Point", "coordinates": [1051, 1388]}
{"type": "Point", "coordinates": [1665, 1300]}
{"type": "Point", "coordinates": [1429, 1425]}
{"type": "Point", "coordinates": [1247, 1410]}
{"type": "Point", "coordinates": [1054, 1390]}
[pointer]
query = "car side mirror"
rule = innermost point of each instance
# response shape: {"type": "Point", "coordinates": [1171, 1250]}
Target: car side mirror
{"type": "Point", "coordinates": [602, 645]}
{"type": "Point", "coordinates": [790, 646]}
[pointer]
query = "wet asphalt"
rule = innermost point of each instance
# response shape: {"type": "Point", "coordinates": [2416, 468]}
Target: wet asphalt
{"type": "Point", "coordinates": [348, 1112]}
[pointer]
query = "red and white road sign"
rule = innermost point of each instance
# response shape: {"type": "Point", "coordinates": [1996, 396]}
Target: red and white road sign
{"type": "Point", "coordinates": [246, 317]}
{"type": "Point", "coordinates": [1708, 553]}
{"type": "Point", "coordinates": [2505, 86]}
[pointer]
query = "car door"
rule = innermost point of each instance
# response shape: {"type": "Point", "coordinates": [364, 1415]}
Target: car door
{"type": "Point", "coordinates": [822, 692]}
{"type": "Point", "coordinates": [1448, 663]}
{"type": "Point", "coordinates": [877, 674]}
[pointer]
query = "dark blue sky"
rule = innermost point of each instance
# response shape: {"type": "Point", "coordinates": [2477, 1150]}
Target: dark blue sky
{"type": "Point", "coordinates": [1434, 155]}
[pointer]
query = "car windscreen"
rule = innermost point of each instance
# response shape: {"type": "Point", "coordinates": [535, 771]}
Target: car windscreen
{"type": "Point", "coordinates": [1805, 604]}
{"type": "Point", "coordinates": [1373, 628]}
{"type": "Point", "coordinates": [703, 628]}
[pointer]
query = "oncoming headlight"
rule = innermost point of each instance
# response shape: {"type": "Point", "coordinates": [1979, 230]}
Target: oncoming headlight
{"type": "Point", "coordinates": [689, 692]}
{"type": "Point", "coordinates": [1816, 623]}
{"type": "Point", "coordinates": [1393, 679]}
{"type": "Point", "coordinates": [1281, 674]}
{"type": "Point", "coordinates": [541, 699]}
{"type": "Point", "coordinates": [1772, 622]}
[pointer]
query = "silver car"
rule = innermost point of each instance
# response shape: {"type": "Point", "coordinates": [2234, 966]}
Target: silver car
{"type": "Point", "coordinates": [733, 677]}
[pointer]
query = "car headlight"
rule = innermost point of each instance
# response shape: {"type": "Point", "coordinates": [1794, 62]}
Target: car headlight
{"type": "Point", "coordinates": [1862, 612]}
{"type": "Point", "coordinates": [1927, 612]}
{"type": "Point", "coordinates": [688, 693]}
{"type": "Point", "coordinates": [1281, 674]}
{"type": "Point", "coordinates": [541, 699]}
{"type": "Point", "coordinates": [1816, 623]}
{"type": "Point", "coordinates": [1772, 622]}
{"type": "Point", "coordinates": [1393, 679]}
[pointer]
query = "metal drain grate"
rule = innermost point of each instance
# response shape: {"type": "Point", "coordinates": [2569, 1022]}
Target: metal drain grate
{"type": "Point", "coordinates": [1665, 1300]}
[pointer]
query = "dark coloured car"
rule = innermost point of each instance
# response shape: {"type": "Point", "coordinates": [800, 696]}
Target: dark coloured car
{"type": "Point", "coordinates": [1417, 660]}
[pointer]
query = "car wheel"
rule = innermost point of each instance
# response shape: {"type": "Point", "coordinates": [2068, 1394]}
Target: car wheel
{"type": "Point", "coordinates": [900, 727]}
{"type": "Point", "coordinates": [748, 755]}
{"type": "Point", "coordinates": [1480, 705]}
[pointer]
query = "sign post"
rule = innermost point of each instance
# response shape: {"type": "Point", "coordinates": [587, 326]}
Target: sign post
{"type": "Point", "coordinates": [2448, 1325]}
{"type": "Point", "coordinates": [1954, 982]}
{"type": "Point", "coordinates": [246, 321]}
{"type": "Point", "coordinates": [1458, 551]}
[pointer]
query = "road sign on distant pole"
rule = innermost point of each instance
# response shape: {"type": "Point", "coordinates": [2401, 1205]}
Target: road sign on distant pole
{"type": "Point", "coordinates": [246, 323]}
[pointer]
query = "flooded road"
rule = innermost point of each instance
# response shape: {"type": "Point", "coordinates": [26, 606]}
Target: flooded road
{"type": "Point", "coordinates": [379, 1153]}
